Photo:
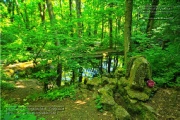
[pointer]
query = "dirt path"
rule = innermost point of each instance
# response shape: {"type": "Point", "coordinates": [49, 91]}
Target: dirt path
{"type": "Point", "coordinates": [67, 109]}
{"type": "Point", "coordinates": [165, 102]}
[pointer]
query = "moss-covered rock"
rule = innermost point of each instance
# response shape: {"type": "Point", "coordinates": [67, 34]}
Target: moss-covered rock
{"type": "Point", "coordinates": [107, 102]}
{"type": "Point", "coordinates": [138, 70]}
{"type": "Point", "coordinates": [120, 113]}
{"type": "Point", "coordinates": [122, 82]}
{"type": "Point", "coordinates": [105, 90]}
{"type": "Point", "coordinates": [94, 83]}
{"type": "Point", "coordinates": [120, 72]}
{"type": "Point", "coordinates": [107, 99]}
{"type": "Point", "coordinates": [148, 113]}
{"type": "Point", "coordinates": [135, 94]}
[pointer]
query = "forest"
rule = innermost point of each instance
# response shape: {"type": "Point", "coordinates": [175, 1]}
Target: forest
{"type": "Point", "coordinates": [90, 59]}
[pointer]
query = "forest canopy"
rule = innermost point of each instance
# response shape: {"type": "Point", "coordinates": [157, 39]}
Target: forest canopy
{"type": "Point", "coordinates": [67, 31]}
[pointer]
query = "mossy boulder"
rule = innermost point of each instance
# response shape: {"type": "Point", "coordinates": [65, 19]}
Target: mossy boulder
{"type": "Point", "coordinates": [120, 113]}
{"type": "Point", "coordinates": [106, 80]}
{"type": "Point", "coordinates": [122, 82]}
{"type": "Point", "coordinates": [107, 99]}
{"type": "Point", "coordinates": [137, 95]}
{"type": "Point", "coordinates": [148, 113]}
{"type": "Point", "coordinates": [120, 72]}
{"type": "Point", "coordinates": [105, 90]}
{"type": "Point", "coordinates": [93, 84]}
{"type": "Point", "coordinates": [138, 70]}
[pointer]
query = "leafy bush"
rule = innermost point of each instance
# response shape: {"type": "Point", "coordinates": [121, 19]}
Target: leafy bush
{"type": "Point", "coordinates": [99, 105]}
{"type": "Point", "coordinates": [16, 112]}
{"type": "Point", "coordinates": [61, 93]}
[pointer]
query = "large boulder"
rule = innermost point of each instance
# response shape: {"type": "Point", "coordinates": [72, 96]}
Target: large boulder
{"type": "Point", "coordinates": [137, 95]}
{"type": "Point", "coordinates": [94, 83]}
{"type": "Point", "coordinates": [107, 99]}
{"type": "Point", "coordinates": [120, 113]}
{"type": "Point", "coordinates": [138, 71]}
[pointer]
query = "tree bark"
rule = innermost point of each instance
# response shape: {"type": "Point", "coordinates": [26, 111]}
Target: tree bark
{"type": "Point", "coordinates": [127, 27]}
{"type": "Point", "coordinates": [80, 74]}
{"type": "Point", "coordinates": [78, 11]}
{"type": "Point", "coordinates": [109, 64]}
{"type": "Point", "coordinates": [52, 20]}
{"type": "Point", "coordinates": [70, 16]}
{"type": "Point", "coordinates": [50, 10]}
{"type": "Point", "coordinates": [110, 27]}
{"type": "Point", "coordinates": [42, 10]}
{"type": "Point", "coordinates": [152, 15]}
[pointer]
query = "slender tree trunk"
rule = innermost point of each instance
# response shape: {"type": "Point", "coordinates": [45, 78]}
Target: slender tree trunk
{"type": "Point", "coordinates": [60, 2]}
{"type": "Point", "coordinates": [52, 19]}
{"type": "Point", "coordinates": [26, 17]}
{"type": "Point", "coordinates": [127, 28]}
{"type": "Point", "coordinates": [152, 15]}
{"type": "Point", "coordinates": [50, 11]}
{"type": "Point", "coordinates": [73, 76]}
{"type": "Point", "coordinates": [110, 28]}
{"type": "Point", "coordinates": [59, 72]}
{"type": "Point", "coordinates": [80, 74]}
{"type": "Point", "coordinates": [101, 66]}
{"type": "Point", "coordinates": [95, 28]}
{"type": "Point", "coordinates": [109, 64]}
{"type": "Point", "coordinates": [78, 11]}
{"type": "Point", "coordinates": [11, 6]}
{"type": "Point", "coordinates": [102, 29]}
{"type": "Point", "coordinates": [42, 10]}
{"type": "Point", "coordinates": [70, 15]}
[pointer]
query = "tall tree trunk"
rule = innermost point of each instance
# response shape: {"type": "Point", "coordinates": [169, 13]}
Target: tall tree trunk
{"type": "Point", "coordinates": [109, 63]}
{"type": "Point", "coordinates": [95, 28]}
{"type": "Point", "coordinates": [70, 15]}
{"type": "Point", "coordinates": [52, 19]}
{"type": "Point", "coordinates": [102, 29]}
{"type": "Point", "coordinates": [152, 15]}
{"type": "Point", "coordinates": [60, 2]}
{"type": "Point", "coordinates": [80, 74]}
{"type": "Point", "coordinates": [127, 28]}
{"type": "Point", "coordinates": [73, 77]}
{"type": "Point", "coordinates": [110, 28]}
{"type": "Point", "coordinates": [50, 11]}
{"type": "Point", "coordinates": [59, 72]}
{"type": "Point", "coordinates": [118, 27]}
{"type": "Point", "coordinates": [78, 11]}
{"type": "Point", "coordinates": [42, 10]}
{"type": "Point", "coordinates": [26, 17]}
{"type": "Point", "coordinates": [11, 10]}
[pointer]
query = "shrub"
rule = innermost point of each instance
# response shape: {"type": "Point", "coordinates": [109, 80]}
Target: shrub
{"type": "Point", "coordinates": [16, 112]}
{"type": "Point", "coordinates": [7, 86]}
{"type": "Point", "coordinates": [99, 105]}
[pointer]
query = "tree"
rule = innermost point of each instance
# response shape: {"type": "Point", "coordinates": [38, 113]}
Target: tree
{"type": "Point", "coordinates": [52, 19]}
{"type": "Point", "coordinates": [127, 27]}
{"type": "Point", "coordinates": [152, 15]}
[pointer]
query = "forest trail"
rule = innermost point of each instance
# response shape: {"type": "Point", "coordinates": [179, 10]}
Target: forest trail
{"type": "Point", "coordinates": [165, 102]}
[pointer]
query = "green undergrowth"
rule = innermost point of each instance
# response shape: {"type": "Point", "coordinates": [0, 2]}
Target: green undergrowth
{"type": "Point", "coordinates": [7, 86]}
{"type": "Point", "coordinates": [99, 105]}
{"type": "Point", "coordinates": [56, 94]}
{"type": "Point", "coordinates": [16, 112]}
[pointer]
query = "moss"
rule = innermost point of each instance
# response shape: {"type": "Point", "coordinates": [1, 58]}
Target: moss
{"type": "Point", "coordinates": [135, 94]}
{"type": "Point", "coordinates": [140, 70]}
{"type": "Point", "coordinates": [121, 113]}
